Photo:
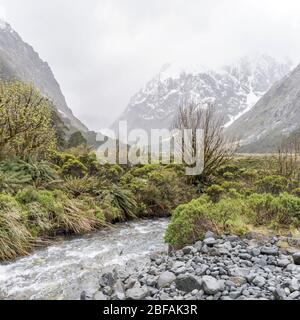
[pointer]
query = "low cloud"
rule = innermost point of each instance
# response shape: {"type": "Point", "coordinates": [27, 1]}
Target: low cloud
{"type": "Point", "coordinates": [103, 51]}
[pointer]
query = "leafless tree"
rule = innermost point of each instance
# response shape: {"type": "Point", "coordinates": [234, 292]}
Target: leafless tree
{"type": "Point", "coordinates": [217, 149]}
{"type": "Point", "coordinates": [288, 157]}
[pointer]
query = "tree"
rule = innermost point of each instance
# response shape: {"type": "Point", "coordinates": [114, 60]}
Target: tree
{"type": "Point", "coordinates": [76, 139]}
{"type": "Point", "coordinates": [217, 150]}
{"type": "Point", "coordinates": [60, 129]}
{"type": "Point", "coordinates": [26, 130]}
{"type": "Point", "coordinates": [288, 157]}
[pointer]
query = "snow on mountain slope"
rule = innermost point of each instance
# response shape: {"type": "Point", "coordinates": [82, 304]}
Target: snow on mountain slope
{"type": "Point", "coordinates": [234, 90]}
{"type": "Point", "coordinates": [275, 116]}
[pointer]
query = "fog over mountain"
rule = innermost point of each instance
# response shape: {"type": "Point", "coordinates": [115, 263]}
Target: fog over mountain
{"type": "Point", "coordinates": [233, 90]}
{"type": "Point", "coordinates": [104, 51]}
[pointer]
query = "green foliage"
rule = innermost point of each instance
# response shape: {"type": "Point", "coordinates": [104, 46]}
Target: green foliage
{"type": "Point", "coordinates": [282, 210]}
{"type": "Point", "coordinates": [296, 192]}
{"type": "Point", "coordinates": [158, 189]}
{"type": "Point", "coordinates": [15, 240]}
{"type": "Point", "coordinates": [77, 187]}
{"type": "Point", "coordinates": [215, 192]}
{"type": "Point", "coordinates": [76, 140]}
{"type": "Point", "coordinates": [272, 184]}
{"type": "Point", "coordinates": [118, 204]}
{"type": "Point", "coordinates": [56, 211]}
{"type": "Point", "coordinates": [74, 168]}
{"type": "Point", "coordinates": [17, 174]}
{"type": "Point", "coordinates": [25, 122]}
{"type": "Point", "coordinates": [191, 221]}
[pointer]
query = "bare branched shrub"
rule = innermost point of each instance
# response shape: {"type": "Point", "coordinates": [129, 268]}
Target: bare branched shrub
{"type": "Point", "coordinates": [217, 149]}
{"type": "Point", "coordinates": [288, 158]}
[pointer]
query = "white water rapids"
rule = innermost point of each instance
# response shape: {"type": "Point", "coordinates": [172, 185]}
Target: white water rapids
{"type": "Point", "coordinates": [65, 269]}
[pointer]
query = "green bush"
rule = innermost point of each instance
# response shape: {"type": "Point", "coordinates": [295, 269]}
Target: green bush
{"type": "Point", "coordinates": [76, 187]}
{"type": "Point", "coordinates": [74, 168]}
{"type": "Point", "coordinates": [272, 184]}
{"type": "Point", "coordinates": [296, 192]}
{"type": "Point", "coordinates": [282, 210]}
{"type": "Point", "coordinates": [215, 192]}
{"type": "Point", "coordinates": [191, 221]}
{"type": "Point", "coordinates": [158, 190]}
{"type": "Point", "coordinates": [118, 204]}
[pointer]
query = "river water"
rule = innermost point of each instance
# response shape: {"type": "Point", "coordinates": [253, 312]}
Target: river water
{"type": "Point", "coordinates": [66, 269]}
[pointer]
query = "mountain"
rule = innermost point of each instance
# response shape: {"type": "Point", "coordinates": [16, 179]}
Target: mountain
{"type": "Point", "coordinates": [19, 60]}
{"type": "Point", "coordinates": [234, 89]}
{"type": "Point", "coordinates": [275, 116]}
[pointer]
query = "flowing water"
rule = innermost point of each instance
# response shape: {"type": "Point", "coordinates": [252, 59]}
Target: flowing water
{"type": "Point", "coordinates": [66, 269]}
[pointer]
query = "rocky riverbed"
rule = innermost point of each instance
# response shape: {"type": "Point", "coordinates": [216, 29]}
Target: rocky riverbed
{"type": "Point", "coordinates": [225, 268]}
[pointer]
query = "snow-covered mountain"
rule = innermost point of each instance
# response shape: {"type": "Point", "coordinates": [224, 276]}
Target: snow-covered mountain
{"type": "Point", "coordinates": [19, 60]}
{"type": "Point", "coordinates": [234, 90]}
{"type": "Point", "coordinates": [275, 116]}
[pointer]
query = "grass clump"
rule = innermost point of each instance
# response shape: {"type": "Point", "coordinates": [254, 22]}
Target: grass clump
{"type": "Point", "coordinates": [15, 239]}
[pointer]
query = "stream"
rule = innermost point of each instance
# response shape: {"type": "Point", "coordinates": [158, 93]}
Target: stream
{"type": "Point", "coordinates": [67, 268]}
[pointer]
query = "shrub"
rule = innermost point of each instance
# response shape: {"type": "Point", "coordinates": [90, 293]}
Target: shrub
{"type": "Point", "coordinates": [296, 192]}
{"type": "Point", "coordinates": [76, 140]}
{"type": "Point", "coordinates": [215, 192]}
{"type": "Point", "coordinates": [272, 184]}
{"type": "Point", "coordinates": [74, 168]}
{"type": "Point", "coordinates": [157, 189]}
{"type": "Point", "coordinates": [191, 221]}
{"type": "Point", "coordinates": [80, 186]}
{"type": "Point", "coordinates": [15, 240]}
{"type": "Point", "coordinates": [283, 210]}
{"type": "Point", "coordinates": [230, 168]}
{"type": "Point", "coordinates": [118, 204]}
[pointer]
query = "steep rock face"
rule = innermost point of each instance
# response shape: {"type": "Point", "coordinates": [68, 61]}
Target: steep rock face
{"type": "Point", "coordinates": [276, 115]}
{"type": "Point", "coordinates": [19, 60]}
{"type": "Point", "coordinates": [234, 90]}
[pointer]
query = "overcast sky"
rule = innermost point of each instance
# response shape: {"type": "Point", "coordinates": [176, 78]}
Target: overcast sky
{"type": "Point", "coordinates": [103, 51]}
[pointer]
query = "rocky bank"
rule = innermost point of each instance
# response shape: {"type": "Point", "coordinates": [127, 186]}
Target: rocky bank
{"type": "Point", "coordinates": [218, 268]}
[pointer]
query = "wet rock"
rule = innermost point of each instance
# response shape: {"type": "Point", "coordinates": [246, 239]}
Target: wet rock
{"type": "Point", "coordinates": [187, 283]}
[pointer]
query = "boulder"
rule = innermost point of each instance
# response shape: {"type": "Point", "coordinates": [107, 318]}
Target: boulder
{"type": "Point", "coordinates": [259, 281]}
{"type": "Point", "coordinates": [211, 285]}
{"type": "Point", "coordinates": [165, 279]}
{"type": "Point", "coordinates": [118, 291]}
{"type": "Point", "coordinates": [210, 242]}
{"type": "Point", "coordinates": [187, 250]}
{"type": "Point", "coordinates": [187, 283]}
{"type": "Point", "coordinates": [270, 251]}
{"type": "Point", "coordinates": [296, 258]}
{"type": "Point", "coordinates": [137, 293]}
